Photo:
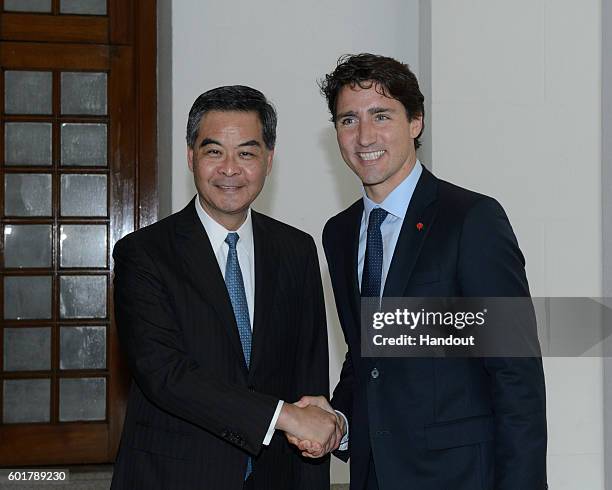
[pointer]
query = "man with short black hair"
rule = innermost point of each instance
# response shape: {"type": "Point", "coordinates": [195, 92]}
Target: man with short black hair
{"type": "Point", "coordinates": [220, 311]}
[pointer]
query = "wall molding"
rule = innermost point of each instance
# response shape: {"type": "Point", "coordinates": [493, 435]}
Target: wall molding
{"type": "Point", "coordinates": [606, 172]}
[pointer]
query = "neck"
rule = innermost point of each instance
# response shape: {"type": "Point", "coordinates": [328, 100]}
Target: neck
{"type": "Point", "coordinates": [229, 221]}
{"type": "Point", "coordinates": [379, 192]}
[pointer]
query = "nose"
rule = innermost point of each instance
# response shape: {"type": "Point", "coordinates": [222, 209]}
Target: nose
{"type": "Point", "coordinates": [367, 133]}
{"type": "Point", "coordinates": [229, 166]}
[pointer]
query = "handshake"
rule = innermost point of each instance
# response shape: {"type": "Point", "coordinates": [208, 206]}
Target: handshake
{"type": "Point", "coordinates": [312, 425]}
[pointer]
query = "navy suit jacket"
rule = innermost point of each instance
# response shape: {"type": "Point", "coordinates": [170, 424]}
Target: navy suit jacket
{"type": "Point", "coordinates": [439, 423]}
{"type": "Point", "coordinates": [195, 413]}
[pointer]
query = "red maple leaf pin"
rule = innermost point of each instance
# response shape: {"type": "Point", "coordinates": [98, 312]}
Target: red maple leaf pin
{"type": "Point", "coordinates": [419, 226]}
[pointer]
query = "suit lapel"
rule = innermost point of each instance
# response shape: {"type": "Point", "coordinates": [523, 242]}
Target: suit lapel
{"type": "Point", "coordinates": [412, 235]}
{"type": "Point", "coordinates": [204, 272]}
{"type": "Point", "coordinates": [266, 271]}
{"type": "Point", "coordinates": [348, 259]}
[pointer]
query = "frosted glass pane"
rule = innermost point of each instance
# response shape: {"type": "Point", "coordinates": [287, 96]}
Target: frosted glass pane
{"type": "Point", "coordinates": [84, 144]}
{"type": "Point", "coordinates": [27, 349]}
{"type": "Point", "coordinates": [83, 195]}
{"type": "Point", "coordinates": [82, 348]}
{"type": "Point", "coordinates": [83, 7]}
{"type": "Point", "coordinates": [83, 296]}
{"type": "Point", "coordinates": [27, 297]}
{"type": "Point", "coordinates": [27, 6]}
{"type": "Point", "coordinates": [84, 93]}
{"type": "Point", "coordinates": [83, 246]}
{"type": "Point", "coordinates": [27, 144]}
{"type": "Point", "coordinates": [82, 399]}
{"type": "Point", "coordinates": [27, 92]}
{"type": "Point", "coordinates": [27, 195]}
{"type": "Point", "coordinates": [26, 400]}
{"type": "Point", "coordinates": [27, 246]}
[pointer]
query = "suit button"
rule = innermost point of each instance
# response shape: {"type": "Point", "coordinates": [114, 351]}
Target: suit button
{"type": "Point", "coordinates": [374, 373]}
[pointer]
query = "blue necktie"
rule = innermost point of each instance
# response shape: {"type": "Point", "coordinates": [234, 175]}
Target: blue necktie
{"type": "Point", "coordinates": [235, 288]}
{"type": "Point", "coordinates": [372, 268]}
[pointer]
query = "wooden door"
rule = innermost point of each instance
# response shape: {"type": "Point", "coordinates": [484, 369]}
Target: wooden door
{"type": "Point", "coordinates": [77, 172]}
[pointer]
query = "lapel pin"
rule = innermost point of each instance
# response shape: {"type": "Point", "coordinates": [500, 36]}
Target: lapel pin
{"type": "Point", "coordinates": [419, 226]}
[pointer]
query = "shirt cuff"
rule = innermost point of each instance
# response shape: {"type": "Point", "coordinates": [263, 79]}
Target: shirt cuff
{"type": "Point", "coordinates": [270, 432]}
{"type": "Point", "coordinates": [345, 439]}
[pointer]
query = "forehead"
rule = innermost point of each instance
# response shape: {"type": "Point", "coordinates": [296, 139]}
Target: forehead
{"type": "Point", "coordinates": [354, 98]}
{"type": "Point", "coordinates": [230, 124]}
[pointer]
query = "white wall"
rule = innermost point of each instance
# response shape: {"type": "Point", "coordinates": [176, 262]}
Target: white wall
{"type": "Point", "coordinates": [282, 48]}
{"type": "Point", "coordinates": [516, 109]}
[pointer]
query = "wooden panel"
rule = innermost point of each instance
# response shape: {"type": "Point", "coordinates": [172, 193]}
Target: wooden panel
{"type": "Point", "coordinates": [123, 208]}
{"type": "Point", "coordinates": [23, 445]}
{"type": "Point", "coordinates": [146, 49]}
{"type": "Point", "coordinates": [54, 28]}
{"type": "Point", "coordinates": [122, 19]}
{"type": "Point", "coordinates": [54, 56]}
{"type": "Point", "coordinates": [126, 49]}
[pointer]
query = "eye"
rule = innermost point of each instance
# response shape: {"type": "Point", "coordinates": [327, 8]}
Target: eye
{"type": "Point", "coordinates": [246, 154]}
{"type": "Point", "coordinates": [382, 117]}
{"type": "Point", "coordinates": [213, 152]}
{"type": "Point", "coordinates": [347, 121]}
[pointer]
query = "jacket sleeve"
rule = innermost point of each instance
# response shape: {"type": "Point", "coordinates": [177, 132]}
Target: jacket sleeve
{"type": "Point", "coordinates": [312, 363]}
{"type": "Point", "coordinates": [491, 265]}
{"type": "Point", "coordinates": [342, 399]}
{"type": "Point", "coordinates": [161, 365]}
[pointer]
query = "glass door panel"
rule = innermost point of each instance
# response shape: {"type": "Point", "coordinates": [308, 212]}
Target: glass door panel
{"type": "Point", "coordinates": [77, 125]}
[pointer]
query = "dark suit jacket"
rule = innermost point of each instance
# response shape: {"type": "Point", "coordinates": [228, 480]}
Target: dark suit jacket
{"type": "Point", "coordinates": [444, 423]}
{"type": "Point", "coordinates": [194, 412]}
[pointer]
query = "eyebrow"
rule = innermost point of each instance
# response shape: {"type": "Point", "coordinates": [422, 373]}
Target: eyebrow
{"type": "Point", "coordinates": [250, 143]}
{"type": "Point", "coordinates": [371, 110]}
{"type": "Point", "coordinates": [345, 114]}
{"type": "Point", "coordinates": [378, 110]}
{"type": "Point", "coordinates": [210, 141]}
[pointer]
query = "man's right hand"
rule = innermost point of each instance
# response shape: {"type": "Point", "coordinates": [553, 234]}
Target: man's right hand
{"type": "Point", "coordinates": [314, 430]}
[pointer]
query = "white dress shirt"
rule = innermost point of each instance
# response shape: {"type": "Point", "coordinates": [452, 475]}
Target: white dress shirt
{"type": "Point", "coordinates": [396, 204]}
{"type": "Point", "coordinates": [245, 248]}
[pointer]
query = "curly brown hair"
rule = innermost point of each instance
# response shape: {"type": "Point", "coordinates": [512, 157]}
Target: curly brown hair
{"type": "Point", "coordinates": [390, 78]}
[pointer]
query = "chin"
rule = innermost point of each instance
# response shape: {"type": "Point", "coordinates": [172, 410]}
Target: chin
{"type": "Point", "coordinates": [233, 209]}
{"type": "Point", "coordinates": [371, 179]}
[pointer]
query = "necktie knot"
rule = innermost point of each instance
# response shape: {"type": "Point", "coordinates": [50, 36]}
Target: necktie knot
{"type": "Point", "coordinates": [377, 216]}
{"type": "Point", "coordinates": [231, 239]}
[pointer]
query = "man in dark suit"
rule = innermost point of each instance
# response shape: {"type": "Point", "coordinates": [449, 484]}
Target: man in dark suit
{"type": "Point", "coordinates": [220, 312]}
{"type": "Point", "coordinates": [422, 423]}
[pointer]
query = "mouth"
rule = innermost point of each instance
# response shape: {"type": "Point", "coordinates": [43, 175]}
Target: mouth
{"type": "Point", "coordinates": [370, 156]}
{"type": "Point", "coordinates": [228, 188]}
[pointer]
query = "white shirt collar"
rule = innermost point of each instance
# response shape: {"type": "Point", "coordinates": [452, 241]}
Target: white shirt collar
{"type": "Point", "coordinates": [217, 232]}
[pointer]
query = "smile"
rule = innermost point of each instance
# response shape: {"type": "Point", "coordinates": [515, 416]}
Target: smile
{"type": "Point", "coordinates": [371, 155]}
{"type": "Point", "coordinates": [229, 187]}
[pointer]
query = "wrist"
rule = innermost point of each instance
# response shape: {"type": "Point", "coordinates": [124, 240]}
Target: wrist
{"type": "Point", "coordinates": [343, 422]}
{"type": "Point", "coordinates": [287, 417]}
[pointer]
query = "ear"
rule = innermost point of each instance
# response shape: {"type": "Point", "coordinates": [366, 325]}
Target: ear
{"type": "Point", "coordinates": [190, 158]}
{"type": "Point", "coordinates": [416, 125]}
{"type": "Point", "coordinates": [269, 158]}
